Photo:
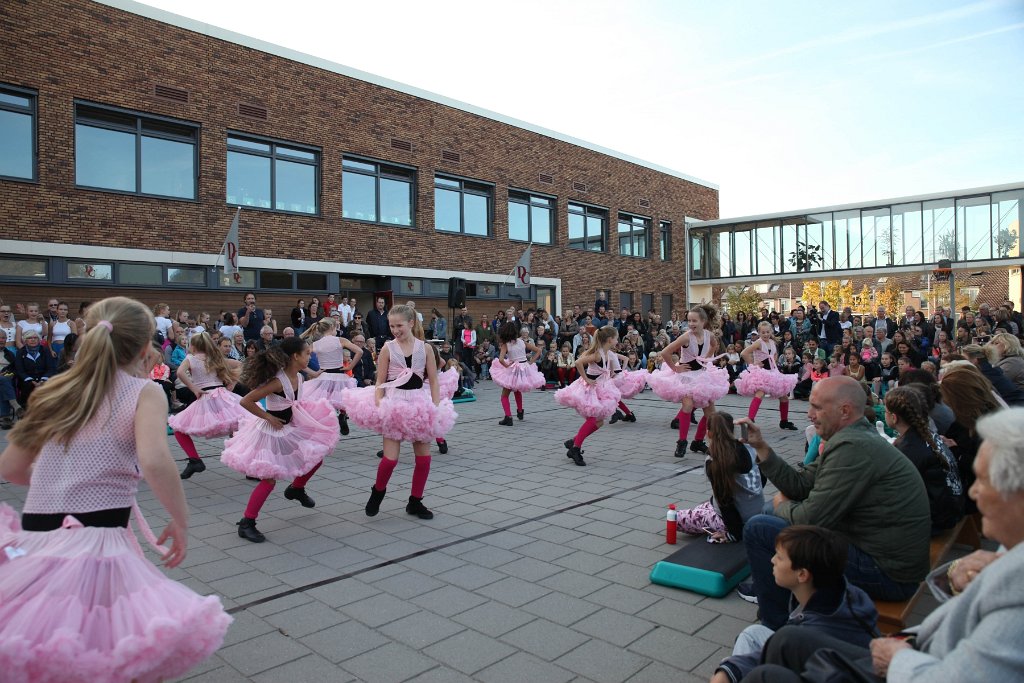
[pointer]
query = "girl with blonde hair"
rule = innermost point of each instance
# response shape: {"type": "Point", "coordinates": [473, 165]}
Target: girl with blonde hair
{"type": "Point", "coordinates": [513, 371]}
{"type": "Point", "coordinates": [763, 378]}
{"type": "Point", "coordinates": [81, 603]}
{"type": "Point", "coordinates": [594, 394]}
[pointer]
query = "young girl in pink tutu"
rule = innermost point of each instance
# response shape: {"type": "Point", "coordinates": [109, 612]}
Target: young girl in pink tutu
{"type": "Point", "coordinates": [630, 383]}
{"type": "Point", "coordinates": [513, 371]}
{"type": "Point", "coordinates": [79, 602]}
{"type": "Point", "coordinates": [694, 382]}
{"type": "Point", "coordinates": [763, 378]}
{"type": "Point", "coordinates": [404, 405]}
{"type": "Point", "coordinates": [288, 440]}
{"type": "Point", "coordinates": [330, 354]}
{"type": "Point", "coordinates": [593, 395]}
{"type": "Point", "coordinates": [215, 412]}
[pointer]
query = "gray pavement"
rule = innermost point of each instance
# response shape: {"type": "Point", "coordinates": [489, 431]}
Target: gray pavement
{"type": "Point", "coordinates": [533, 569]}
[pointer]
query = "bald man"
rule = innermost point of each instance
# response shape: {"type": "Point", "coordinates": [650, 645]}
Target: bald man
{"type": "Point", "coordinates": [860, 486]}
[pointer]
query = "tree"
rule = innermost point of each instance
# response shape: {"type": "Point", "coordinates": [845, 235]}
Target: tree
{"type": "Point", "coordinates": [811, 294]}
{"type": "Point", "coordinates": [862, 300]}
{"type": "Point", "coordinates": [1006, 243]}
{"type": "Point", "coordinates": [846, 295]}
{"type": "Point", "coordinates": [804, 256]}
{"type": "Point", "coordinates": [945, 246]}
{"type": "Point", "coordinates": [890, 296]}
{"type": "Point", "coordinates": [890, 243]}
{"type": "Point", "coordinates": [831, 294]}
{"type": "Point", "coordinates": [735, 300]}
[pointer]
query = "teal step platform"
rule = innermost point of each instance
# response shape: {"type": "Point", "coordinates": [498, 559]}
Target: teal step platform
{"type": "Point", "coordinates": [711, 569]}
{"type": "Point", "coordinates": [467, 397]}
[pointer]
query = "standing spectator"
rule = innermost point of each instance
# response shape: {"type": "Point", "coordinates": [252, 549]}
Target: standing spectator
{"type": "Point", "coordinates": [377, 321]}
{"type": "Point", "coordinates": [347, 311]}
{"type": "Point", "coordinates": [314, 313]}
{"type": "Point", "coordinates": [60, 328]}
{"type": "Point", "coordinates": [268, 320]}
{"type": "Point", "coordinates": [601, 302]}
{"type": "Point", "coordinates": [467, 337]}
{"type": "Point", "coordinates": [300, 316]}
{"type": "Point", "coordinates": [438, 325]}
{"type": "Point", "coordinates": [9, 406]}
{"type": "Point", "coordinates": [230, 328]}
{"type": "Point", "coordinates": [330, 306]}
{"type": "Point", "coordinates": [163, 322]}
{"type": "Point", "coordinates": [250, 319]}
{"type": "Point", "coordinates": [829, 332]}
{"type": "Point", "coordinates": [33, 322]}
{"type": "Point", "coordinates": [9, 327]}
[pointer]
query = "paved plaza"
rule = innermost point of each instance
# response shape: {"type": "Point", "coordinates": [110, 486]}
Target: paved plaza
{"type": "Point", "coordinates": [533, 569]}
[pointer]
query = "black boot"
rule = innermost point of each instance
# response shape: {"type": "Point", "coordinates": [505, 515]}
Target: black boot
{"type": "Point", "coordinates": [693, 419]}
{"type": "Point", "coordinates": [616, 417]}
{"type": "Point", "coordinates": [292, 493]}
{"type": "Point", "coordinates": [247, 530]}
{"type": "Point", "coordinates": [576, 454]}
{"type": "Point", "coordinates": [568, 443]}
{"type": "Point", "coordinates": [373, 505]}
{"type": "Point", "coordinates": [698, 446]}
{"type": "Point", "coordinates": [520, 414]}
{"type": "Point", "coordinates": [674, 424]}
{"type": "Point", "coordinates": [630, 418]}
{"type": "Point", "coordinates": [416, 507]}
{"type": "Point", "coordinates": [786, 424]}
{"type": "Point", "coordinates": [343, 423]}
{"type": "Point", "coordinates": [380, 454]}
{"type": "Point", "coordinates": [192, 466]}
{"type": "Point", "coordinates": [680, 448]}
{"type": "Point", "coordinates": [506, 421]}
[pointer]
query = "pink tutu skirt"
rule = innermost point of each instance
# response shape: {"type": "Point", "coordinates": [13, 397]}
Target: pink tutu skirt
{"type": "Point", "coordinates": [83, 605]}
{"type": "Point", "coordinates": [259, 450]}
{"type": "Point", "coordinates": [772, 382]}
{"type": "Point", "coordinates": [631, 382]}
{"type": "Point", "coordinates": [519, 377]}
{"type": "Point", "coordinates": [328, 387]}
{"type": "Point", "coordinates": [448, 382]}
{"type": "Point", "coordinates": [704, 387]}
{"type": "Point", "coordinates": [598, 401]}
{"type": "Point", "coordinates": [403, 414]}
{"type": "Point", "coordinates": [215, 414]}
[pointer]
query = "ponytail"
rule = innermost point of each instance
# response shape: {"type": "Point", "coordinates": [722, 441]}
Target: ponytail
{"type": "Point", "coordinates": [265, 365]}
{"type": "Point", "coordinates": [322, 328]}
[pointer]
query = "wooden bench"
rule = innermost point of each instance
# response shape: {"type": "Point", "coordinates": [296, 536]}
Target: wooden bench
{"type": "Point", "coordinates": [892, 616]}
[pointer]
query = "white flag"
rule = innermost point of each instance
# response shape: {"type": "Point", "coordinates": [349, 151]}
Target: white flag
{"type": "Point", "coordinates": [230, 248]}
{"type": "Point", "coordinates": [522, 270]}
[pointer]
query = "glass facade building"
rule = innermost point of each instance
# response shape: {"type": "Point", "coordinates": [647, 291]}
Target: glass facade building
{"type": "Point", "coordinates": [969, 226]}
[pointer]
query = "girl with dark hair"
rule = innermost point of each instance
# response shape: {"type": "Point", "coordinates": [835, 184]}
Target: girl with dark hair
{"type": "Point", "coordinates": [593, 395]}
{"type": "Point", "coordinates": [694, 382]}
{"type": "Point", "coordinates": [215, 412]}
{"type": "Point", "coordinates": [513, 371]}
{"type": "Point", "coordinates": [288, 440]}
{"type": "Point", "coordinates": [629, 383]}
{"type": "Point", "coordinates": [906, 411]}
{"type": "Point", "coordinates": [736, 486]}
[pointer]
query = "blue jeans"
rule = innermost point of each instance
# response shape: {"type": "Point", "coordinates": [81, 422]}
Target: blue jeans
{"type": "Point", "coordinates": [759, 534]}
{"type": "Point", "coordinates": [6, 395]}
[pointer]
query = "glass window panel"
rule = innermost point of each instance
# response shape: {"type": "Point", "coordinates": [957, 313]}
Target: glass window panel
{"type": "Point", "coordinates": [447, 210]}
{"type": "Point", "coordinates": [410, 287]}
{"type": "Point", "coordinates": [248, 180]}
{"type": "Point", "coordinates": [697, 252]}
{"type": "Point", "coordinates": [249, 144]}
{"type": "Point", "coordinates": [540, 224]}
{"type": "Point", "coordinates": [91, 271]}
{"type": "Point", "coordinates": [879, 250]}
{"type": "Point", "coordinates": [395, 202]}
{"type": "Point", "coordinates": [577, 231]}
{"type": "Point", "coordinates": [169, 128]}
{"type": "Point", "coordinates": [110, 118]}
{"type": "Point", "coordinates": [1006, 220]}
{"type": "Point", "coordinates": [939, 234]}
{"type": "Point", "coordinates": [847, 239]}
{"type": "Point", "coordinates": [518, 221]}
{"type": "Point", "coordinates": [794, 252]}
{"type": "Point", "coordinates": [446, 182]}
{"type": "Point", "coordinates": [296, 186]}
{"type": "Point", "coordinates": [540, 201]}
{"type": "Point", "coordinates": [104, 158]}
{"type": "Point", "coordinates": [744, 250]}
{"type": "Point", "coordinates": [316, 282]}
{"type": "Point", "coordinates": [140, 274]}
{"type": "Point", "coordinates": [665, 240]}
{"type": "Point", "coordinates": [974, 238]}
{"type": "Point", "coordinates": [186, 276]}
{"type": "Point", "coordinates": [640, 244]}
{"type": "Point", "coordinates": [907, 234]}
{"type": "Point", "coordinates": [243, 278]}
{"type": "Point", "coordinates": [358, 196]}
{"type": "Point", "coordinates": [362, 165]}
{"type": "Point", "coordinates": [868, 240]}
{"type": "Point", "coordinates": [822, 223]}
{"type": "Point", "coordinates": [23, 268]}
{"type": "Point", "coordinates": [168, 168]}
{"type": "Point", "coordinates": [766, 258]}
{"type": "Point", "coordinates": [15, 144]}
{"type": "Point", "coordinates": [16, 100]}
{"type": "Point", "coordinates": [625, 246]}
{"type": "Point", "coordinates": [275, 279]}
{"type": "Point", "coordinates": [476, 218]}
{"type": "Point", "coordinates": [296, 153]}
{"type": "Point", "coordinates": [595, 233]}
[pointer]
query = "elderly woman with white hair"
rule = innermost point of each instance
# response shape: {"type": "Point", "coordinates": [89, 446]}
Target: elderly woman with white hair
{"type": "Point", "coordinates": [1005, 353]}
{"type": "Point", "coordinates": [33, 365]}
{"type": "Point", "coordinates": [975, 634]}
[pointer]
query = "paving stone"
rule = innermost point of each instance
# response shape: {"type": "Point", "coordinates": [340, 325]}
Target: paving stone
{"type": "Point", "coordinates": [598, 662]}
{"type": "Point", "coordinates": [310, 669]}
{"type": "Point", "coordinates": [471, 577]}
{"type": "Point", "coordinates": [561, 609]}
{"type": "Point", "coordinates": [262, 653]}
{"type": "Point", "coordinates": [615, 627]}
{"type": "Point", "coordinates": [623, 598]}
{"type": "Point", "coordinates": [678, 615]}
{"type": "Point", "coordinates": [421, 629]}
{"type": "Point", "coordinates": [530, 569]}
{"type": "Point", "coordinates": [523, 667]}
{"type": "Point", "coordinates": [379, 610]}
{"type": "Point", "coordinates": [389, 664]}
{"type": "Point", "coordinates": [673, 647]}
{"type": "Point", "coordinates": [469, 651]}
{"type": "Point", "coordinates": [344, 641]}
{"type": "Point", "coordinates": [513, 591]}
{"type": "Point", "coordinates": [448, 601]}
{"type": "Point", "coordinates": [342, 592]}
{"type": "Point", "coordinates": [493, 618]}
{"type": "Point", "coordinates": [545, 639]}
{"type": "Point", "coordinates": [408, 584]}
{"type": "Point", "coordinates": [576, 584]}
{"type": "Point", "coordinates": [723, 630]}
{"type": "Point", "coordinates": [306, 619]}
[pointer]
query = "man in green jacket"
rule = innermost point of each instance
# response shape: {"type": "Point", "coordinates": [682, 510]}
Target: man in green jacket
{"type": "Point", "coordinates": [860, 486]}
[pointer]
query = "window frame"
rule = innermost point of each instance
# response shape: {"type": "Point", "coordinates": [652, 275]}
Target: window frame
{"type": "Point", "coordinates": [33, 112]}
{"type": "Point", "coordinates": [516, 195]}
{"type": "Point", "coordinates": [379, 173]}
{"type": "Point", "coordinates": [665, 240]}
{"type": "Point", "coordinates": [632, 232]}
{"type": "Point", "coordinates": [137, 131]}
{"type": "Point", "coordinates": [462, 192]}
{"type": "Point", "coordinates": [274, 143]}
{"type": "Point", "coordinates": [589, 210]}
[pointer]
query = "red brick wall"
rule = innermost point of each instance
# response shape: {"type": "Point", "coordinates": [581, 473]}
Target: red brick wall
{"type": "Point", "coordinates": [77, 49]}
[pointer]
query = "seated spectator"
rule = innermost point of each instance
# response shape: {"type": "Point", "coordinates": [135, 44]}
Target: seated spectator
{"type": "Point", "coordinates": [974, 635]}
{"type": "Point", "coordinates": [906, 411]}
{"type": "Point", "coordinates": [940, 414]}
{"type": "Point", "coordinates": [485, 353]}
{"type": "Point", "coordinates": [33, 365]}
{"type": "Point", "coordinates": [1005, 353]}
{"type": "Point", "coordinates": [970, 396]}
{"type": "Point", "coordinates": [160, 373]}
{"type": "Point", "coordinates": [230, 329]}
{"type": "Point", "coordinates": [9, 406]}
{"type": "Point", "coordinates": [1004, 386]}
{"type": "Point", "coordinates": [365, 371]}
{"type": "Point", "coordinates": [809, 563]}
{"type": "Point", "coordinates": [802, 390]}
{"type": "Point", "coordinates": [176, 353]}
{"type": "Point", "coordinates": [861, 486]}
{"type": "Point", "coordinates": [566, 366]}
{"type": "Point", "coordinates": [252, 347]}
{"type": "Point", "coordinates": [549, 368]}
{"type": "Point", "coordinates": [736, 486]}
{"type": "Point", "coordinates": [266, 339]}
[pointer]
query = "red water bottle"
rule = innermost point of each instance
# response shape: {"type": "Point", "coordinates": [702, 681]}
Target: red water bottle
{"type": "Point", "coordinates": [671, 525]}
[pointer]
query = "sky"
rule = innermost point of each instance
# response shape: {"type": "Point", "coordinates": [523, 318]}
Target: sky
{"type": "Point", "coordinates": [784, 105]}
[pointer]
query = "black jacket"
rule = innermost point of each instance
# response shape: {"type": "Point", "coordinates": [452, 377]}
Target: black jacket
{"type": "Point", "coordinates": [364, 369]}
{"type": "Point", "coordinates": [28, 369]}
{"type": "Point", "coordinates": [1003, 385]}
{"type": "Point", "coordinates": [833, 330]}
{"type": "Point", "coordinates": [941, 479]}
{"type": "Point", "coordinates": [300, 317]}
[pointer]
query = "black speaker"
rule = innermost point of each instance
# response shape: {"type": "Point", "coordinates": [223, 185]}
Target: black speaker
{"type": "Point", "coordinates": [456, 292]}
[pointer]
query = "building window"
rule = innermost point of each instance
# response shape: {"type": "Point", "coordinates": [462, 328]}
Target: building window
{"type": "Point", "coordinates": [377, 192]}
{"type": "Point", "coordinates": [265, 174]}
{"type": "Point", "coordinates": [102, 272]}
{"type": "Point", "coordinates": [243, 278]}
{"type": "Point", "coordinates": [186, 276]}
{"type": "Point", "coordinates": [410, 287]}
{"type": "Point", "coordinates": [626, 300]}
{"type": "Point", "coordinates": [665, 245]}
{"type": "Point", "coordinates": [315, 282]}
{"type": "Point", "coordinates": [634, 235]}
{"type": "Point", "coordinates": [546, 299]}
{"type": "Point", "coordinates": [462, 206]}
{"type": "Point", "coordinates": [17, 133]}
{"type": "Point", "coordinates": [530, 217]}
{"type": "Point", "coordinates": [127, 152]}
{"type": "Point", "coordinates": [23, 268]}
{"type": "Point", "coordinates": [140, 274]}
{"type": "Point", "coordinates": [485, 289]}
{"type": "Point", "coordinates": [666, 306]}
{"type": "Point", "coordinates": [587, 227]}
{"type": "Point", "coordinates": [276, 279]}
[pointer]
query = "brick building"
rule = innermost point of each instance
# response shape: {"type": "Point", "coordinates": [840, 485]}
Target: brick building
{"type": "Point", "coordinates": [131, 135]}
